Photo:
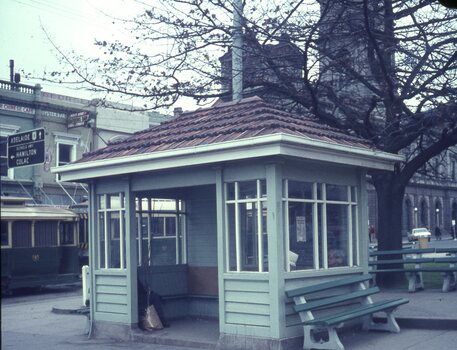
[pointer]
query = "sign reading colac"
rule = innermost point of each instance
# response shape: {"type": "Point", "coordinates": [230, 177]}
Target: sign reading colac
{"type": "Point", "coordinates": [26, 148]}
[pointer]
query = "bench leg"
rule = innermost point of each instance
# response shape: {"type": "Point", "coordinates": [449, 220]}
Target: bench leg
{"type": "Point", "coordinates": [390, 326]}
{"type": "Point", "coordinates": [310, 341]}
{"type": "Point", "coordinates": [415, 281]}
{"type": "Point", "coordinates": [449, 282]}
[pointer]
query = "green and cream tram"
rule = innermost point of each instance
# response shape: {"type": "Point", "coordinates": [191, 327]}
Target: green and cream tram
{"type": "Point", "coordinates": [39, 245]}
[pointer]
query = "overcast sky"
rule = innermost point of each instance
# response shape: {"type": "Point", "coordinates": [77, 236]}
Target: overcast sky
{"type": "Point", "coordinates": [72, 24]}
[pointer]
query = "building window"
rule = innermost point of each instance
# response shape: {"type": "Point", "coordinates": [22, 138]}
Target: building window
{"type": "Point", "coordinates": [5, 131]}
{"type": "Point", "coordinates": [246, 226]}
{"type": "Point", "coordinates": [67, 233]}
{"type": "Point", "coordinates": [65, 154]}
{"type": "Point", "coordinates": [111, 231]}
{"type": "Point", "coordinates": [65, 149]}
{"type": "Point", "coordinates": [320, 225]}
{"type": "Point", "coordinates": [161, 231]}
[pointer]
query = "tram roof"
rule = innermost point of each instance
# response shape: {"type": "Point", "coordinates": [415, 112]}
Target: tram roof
{"type": "Point", "coordinates": [37, 213]}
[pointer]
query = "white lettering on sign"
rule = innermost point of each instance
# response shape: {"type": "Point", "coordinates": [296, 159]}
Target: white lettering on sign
{"type": "Point", "coordinates": [14, 108]}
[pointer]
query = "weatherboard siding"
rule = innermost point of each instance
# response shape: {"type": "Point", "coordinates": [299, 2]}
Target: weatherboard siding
{"type": "Point", "coordinates": [111, 297]}
{"type": "Point", "coordinates": [247, 303]}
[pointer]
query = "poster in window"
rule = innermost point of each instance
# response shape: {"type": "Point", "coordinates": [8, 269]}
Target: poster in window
{"type": "Point", "coordinates": [301, 229]}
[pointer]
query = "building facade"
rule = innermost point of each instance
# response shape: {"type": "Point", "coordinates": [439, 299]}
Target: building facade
{"type": "Point", "coordinates": [73, 126]}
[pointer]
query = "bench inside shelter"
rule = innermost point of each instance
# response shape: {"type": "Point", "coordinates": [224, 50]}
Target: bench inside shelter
{"type": "Point", "coordinates": [327, 306]}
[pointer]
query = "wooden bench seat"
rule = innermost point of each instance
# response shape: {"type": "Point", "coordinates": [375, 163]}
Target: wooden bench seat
{"type": "Point", "coordinates": [414, 273]}
{"type": "Point", "coordinates": [309, 300]}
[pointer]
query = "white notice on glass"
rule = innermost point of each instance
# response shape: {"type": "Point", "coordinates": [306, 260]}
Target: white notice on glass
{"type": "Point", "coordinates": [301, 229]}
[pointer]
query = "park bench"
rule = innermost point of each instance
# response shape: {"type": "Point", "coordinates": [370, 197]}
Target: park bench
{"type": "Point", "coordinates": [413, 272]}
{"type": "Point", "coordinates": [327, 306]}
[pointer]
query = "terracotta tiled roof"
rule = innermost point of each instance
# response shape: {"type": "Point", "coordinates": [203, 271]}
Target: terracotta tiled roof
{"type": "Point", "coordinates": [228, 121]}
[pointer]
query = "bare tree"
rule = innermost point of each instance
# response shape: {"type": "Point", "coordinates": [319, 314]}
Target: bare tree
{"type": "Point", "coordinates": [385, 70]}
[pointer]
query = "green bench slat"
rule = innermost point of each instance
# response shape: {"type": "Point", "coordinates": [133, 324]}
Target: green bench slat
{"type": "Point", "coordinates": [335, 299]}
{"type": "Point", "coordinates": [401, 261]}
{"type": "Point", "coordinates": [327, 285]}
{"type": "Point", "coordinates": [403, 251]}
{"type": "Point", "coordinates": [421, 269]}
{"type": "Point", "coordinates": [446, 260]}
{"type": "Point", "coordinates": [446, 250]}
{"type": "Point", "coordinates": [390, 270]}
{"type": "Point", "coordinates": [438, 269]}
{"type": "Point", "coordinates": [358, 312]}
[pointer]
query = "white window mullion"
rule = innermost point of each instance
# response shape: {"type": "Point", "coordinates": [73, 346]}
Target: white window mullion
{"type": "Point", "coordinates": [237, 229]}
{"type": "Point", "coordinates": [140, 236]}
{"type": "Point", "coordinates": [176, 237]}
{"type": "Point", "coordinates": [259, 227]}
{"type": "Point", "coordinates": [149, 238]}
{"type": "Point", "coordinates": [350, 233]}
{"type": "Point", "coordinates": [121, 238]}
{"type": "Point", "coordinates": [356, 232]}
{"type": "Point", "coordinates": [105, 218]}
{"type": "Point", "coordinates": [315, 228]}
{"type": "Point", "coordinates": [324, 228]}
{"type": "Point", "coordinates": [350, 254]}
{"type": "Point", "coordinates": [286, 224]}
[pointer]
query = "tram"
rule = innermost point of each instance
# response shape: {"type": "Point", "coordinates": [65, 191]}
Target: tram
{"type": "Point", "coordinates": [39, 245]}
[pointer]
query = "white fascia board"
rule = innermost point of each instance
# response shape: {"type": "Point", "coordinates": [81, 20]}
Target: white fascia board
{"type": "Point", "coordinates": [262, 146]}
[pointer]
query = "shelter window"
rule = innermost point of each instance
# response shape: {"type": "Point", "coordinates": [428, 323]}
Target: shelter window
{"type": "Point", "coordinates": [67, 233]}
{"type": "Point", "coordinates": [246, 226]}
{"type": "Point", "coordinates": [5, 234]}
{"type": "Point", "coordinates": [161, 231]}
{"type": "Point", "coordinates": [45, 233]}
{"type": "Point", "coordinates": [22, 234]}
{"type": "Point", "coordinates": [320, 225]}
{"type": "Point", "coordinates": [111, 231]}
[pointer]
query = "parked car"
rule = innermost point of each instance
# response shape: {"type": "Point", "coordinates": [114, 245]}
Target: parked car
{"type": "Point", "coordinates": [420, 232]}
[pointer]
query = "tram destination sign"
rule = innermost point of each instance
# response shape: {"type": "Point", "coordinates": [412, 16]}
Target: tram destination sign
{"type": "Point", "coordinates": [26, 148]}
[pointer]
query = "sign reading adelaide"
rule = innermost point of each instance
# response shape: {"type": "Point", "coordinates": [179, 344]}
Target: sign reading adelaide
{"type": "Point", "coordinates": [26, 148]}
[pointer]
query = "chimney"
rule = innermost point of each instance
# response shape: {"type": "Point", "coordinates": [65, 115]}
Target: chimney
{"type": "Point", "coordinates": [177, 112]}
{"type": "Point", "coordinates": [12, 71]}
{"type": "Point", "coordinates": [237, 51]}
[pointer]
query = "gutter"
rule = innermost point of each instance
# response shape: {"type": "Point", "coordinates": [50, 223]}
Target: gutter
{"type": "Point", "coordinates": [260, 146]}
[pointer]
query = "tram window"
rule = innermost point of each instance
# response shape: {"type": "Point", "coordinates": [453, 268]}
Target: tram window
{"type": "Point", "coordinates": [67, 236]}
{"type": "Point", "coordinates": [5, 236]}
{"type": "Point", "coordinates": [45, 233]}
{"type": "Point", "coordinates": [22, 234]}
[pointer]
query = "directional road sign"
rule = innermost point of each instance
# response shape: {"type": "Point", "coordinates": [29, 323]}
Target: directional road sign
{"type": "Point", "coordinates": [26, 148]}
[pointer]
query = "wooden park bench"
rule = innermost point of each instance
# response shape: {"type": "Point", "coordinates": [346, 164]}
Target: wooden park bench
{"type": "Point", "coordinates": [414, 269]}
{"type": "Point", "coordinates": [449, 274]}
{"type": "Point", "coordinates": [326, 313]}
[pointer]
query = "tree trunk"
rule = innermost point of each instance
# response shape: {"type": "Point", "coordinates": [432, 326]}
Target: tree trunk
{"type": "Point", "coordinates": [390, 191]}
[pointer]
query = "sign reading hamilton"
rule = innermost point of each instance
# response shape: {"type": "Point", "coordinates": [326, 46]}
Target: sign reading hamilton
{"type": "Point", "coordinates": [26, 148]}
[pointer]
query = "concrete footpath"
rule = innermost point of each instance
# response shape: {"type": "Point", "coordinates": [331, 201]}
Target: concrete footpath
{"type": "Point", "coordinates": [428, 322]}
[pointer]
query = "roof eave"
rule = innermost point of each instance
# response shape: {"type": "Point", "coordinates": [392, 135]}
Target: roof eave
{"type": "Point", "coordinates": [261, 146]}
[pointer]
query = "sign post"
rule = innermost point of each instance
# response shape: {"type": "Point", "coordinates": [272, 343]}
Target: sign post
{"type": "Point", "coordinates": [26, 148]}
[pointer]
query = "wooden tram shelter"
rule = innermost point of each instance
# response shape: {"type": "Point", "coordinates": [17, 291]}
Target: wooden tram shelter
{"type": "Point", "coordinates": [265, 201]}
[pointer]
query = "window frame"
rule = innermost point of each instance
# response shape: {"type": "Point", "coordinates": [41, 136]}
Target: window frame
{"type": "Point", "coordinates": [5, 131]}
{"type": "Point", "coordinates": [108, 238]}
{"type": "Point", "coordinates": [353, 237]}
{"type": "Point", "coordinates": [260, 200]}
{"type": "Point", "coordinates": [69, 140]}
{"type": "Point", "coordinates": [180, 236]}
